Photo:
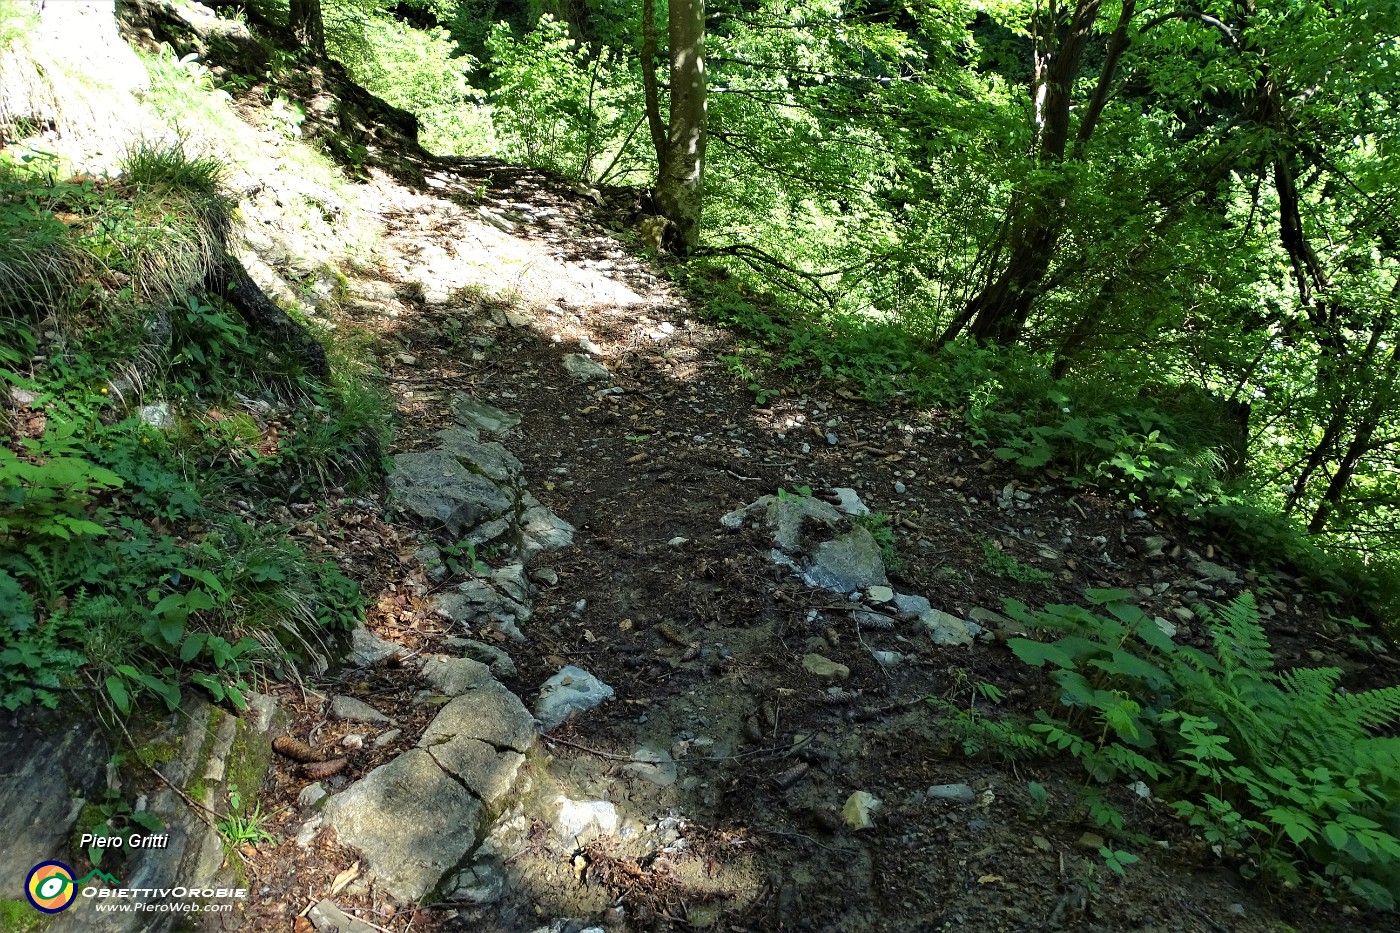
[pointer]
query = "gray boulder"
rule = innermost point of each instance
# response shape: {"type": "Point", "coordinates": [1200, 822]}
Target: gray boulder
{"type": "Point", "coordinates": [489, 713]}
{"type": "Point", "coordinates": [572, 690]}
{"type": "Point", "coordinates": [434, 486]}
{"type": "Point", "coordinates": [470, 413]}
{"type": "Point", "coordinates": [847, 563]}
{"type": "Point", "coordinates": [382, 816]}
{"type": "Point", "coordinates": [786, 516]}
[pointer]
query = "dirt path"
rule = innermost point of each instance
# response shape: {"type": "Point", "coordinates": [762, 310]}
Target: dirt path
{"type": "Point", "coordinates": [727, 755]}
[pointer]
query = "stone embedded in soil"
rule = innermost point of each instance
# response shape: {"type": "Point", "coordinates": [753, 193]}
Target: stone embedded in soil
{"type": "Point", "coordinates": [434, 486]}
{"type": "Point", "coordinates": [880, 594]}
{"type": "Point", "coordinates": [381, 815]}
{"type": "Point", "coordinates": [653, 766]}
{"type": "Point", "coordinates": [848, 563]}
{"type": "Point", "coordinates": [886, 658]}
{"type": "Point", "coordinates": [368, 649]}
{"type": "Point", "coordinates": [500, 662]}
{"type": "Point", "coordinates": [353, 710]}
{"type": "Point", "coordinates": [946, 630]}
{"type": "Point", "coordinates": [542, 530]}
{"type": "Point", "coordinates": [311, 795]}
{"type": "Point", "coordinates": [487, 773]}
{"type": "Point", "coordinates": [569, 692]}
{"type": "Point", "coordinates": [850, 501]}
{"type": "Point", "coordinates": [1215, 572]}
{"type": "Point", "coordinates": [486, 457]}
{"type": "Point", "coordinates": [580, 822]}
{"type": "Point", "coordinates": [911, 607]}
{"type": "Point", "coordinates": [471, 413]}
{"type": "Point", "coordinates": [825, 668]}
{"type": "Point", "coordinates": [787, 515]}
{"type": "Point", "coordinates": [958, 793]}
{"type": "Point", "coordinates": [586, 370]}
{"type": "Point", "coordinates": [481, 883]}
{"type": "Point", "coordinates": [490, 713]}
{"type": "Point", "coordinates": [326, 917]}
{"type": "Point", "coordinates": [455, 676]}
{"type": "Point", "coordinates": [510, 579]}
{"type": "Point", "coordinates": [1090, 841]}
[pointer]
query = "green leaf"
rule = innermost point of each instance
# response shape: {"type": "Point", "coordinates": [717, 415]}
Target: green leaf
{"type": "Point", "coordinates": [116, 689]}
{"type": "Point", "coordinates": [194, 644]}
{"type": "Point", "coordinates": [1037, 654]}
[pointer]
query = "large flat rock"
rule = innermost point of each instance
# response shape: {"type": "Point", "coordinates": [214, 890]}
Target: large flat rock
{"type": "Point", "coordinates": [490, 714]}
{"type": "Point", "coordinates": [412, 820]}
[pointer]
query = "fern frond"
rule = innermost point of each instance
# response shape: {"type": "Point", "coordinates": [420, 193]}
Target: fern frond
{"type": "Point", "coordinates": [1238, 636]}
{"type": "Point", "coordinates": [1373, 709]}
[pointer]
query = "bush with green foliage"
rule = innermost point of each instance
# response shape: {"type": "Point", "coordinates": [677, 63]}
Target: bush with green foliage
{"type": "Point", "coordinates": [1281, 769]}
{"type": "Point", "coordinates": [117, 568]}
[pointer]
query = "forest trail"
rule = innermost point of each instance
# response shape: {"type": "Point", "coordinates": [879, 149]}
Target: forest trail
{"type": "Point", "coordinates": [720, 783]}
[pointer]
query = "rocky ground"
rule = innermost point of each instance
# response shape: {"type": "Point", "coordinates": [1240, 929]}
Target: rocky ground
{"type": "Point", "coordinates": [683, 686]}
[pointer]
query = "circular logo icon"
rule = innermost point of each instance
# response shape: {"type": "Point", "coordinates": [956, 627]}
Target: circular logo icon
{"type": "Point", "coordinates": [50, 887]}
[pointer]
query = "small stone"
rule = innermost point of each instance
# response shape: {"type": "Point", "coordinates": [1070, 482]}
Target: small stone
{"type": "Point", "coordinates": [385, 738]}
{"type": "Point", "coordinates": [832, 439]}
{"type": "Point", "coordinates": [408, 359]}
{"type": "Point", "coordinates": [1183, 614]}
{"type": "Point", "coordinates": [545, 576]}
{"type": "Point", "coordinates": [325, 917]}
{"type": "Point", "coordinates": [1090, 841]}
{"type": "Point", "coordinates": [825, 668]}
{"type": "Point", "coordinates": [471, 413]}
{"type": "Point", "coordinates": [880, 594]}
{"type": "Point", "coordinates": [900, 487]}
{"type": "Point", "coordinates": [849, 501]}
{"type": "Point", "coordinates": [886, 658]}
{"type": "Point", "coordinates": [569, 692]}
{"type": "Point", "coordinates": [860, 809]}
{"type": "Point", "coordinates": [1215, 572]}
{"type": "Point", "coordinates": [1042, 843]}
{"type": "Point", "coordinates": [353, 710]}
{"type": "Point", "coordinates": [958, 793]}
{"type": "Point", "coordinates": [945, 629]}
{"type": "Point", "coordinates": [911, 607]}
{"type": "Point", "coordinates": [455, 676]}
{"type": "Point", "coordinates": [158, 415]}
{"type": "Point", "coordinates": [678, 541]}
{"type": "Point", "coordinates": [353, 740]}
{"type": "Point", "coordinates": [653, 766]}
{"type": "Point", "coordinates": [311, 795]}
{"type": "Point", "coordinates": [586, 370]}
{"type": "Point", "coordinates": [1154, 545]}
{"type": "Point", "coordinates": [580, 822]}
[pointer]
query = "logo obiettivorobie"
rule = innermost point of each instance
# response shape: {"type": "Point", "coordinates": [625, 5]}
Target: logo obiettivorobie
{"type": "Point", "coordinates": [51, 887]}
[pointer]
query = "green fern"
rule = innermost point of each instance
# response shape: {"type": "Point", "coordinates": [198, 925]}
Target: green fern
{"type": "Point", "coordinates": [1281, 769]}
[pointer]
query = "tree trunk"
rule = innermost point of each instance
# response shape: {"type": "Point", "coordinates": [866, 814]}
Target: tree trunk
{"type": "Point", "coordinates": [680, 177]}
{"type": "Point", "coordinates": [304, 17]}
{"type": "Point", "coordinates": [230, 279]}
{"type": "Point", "coordinates": [649, 88]}
{"type": "Point", "coordinates": [998, 313]}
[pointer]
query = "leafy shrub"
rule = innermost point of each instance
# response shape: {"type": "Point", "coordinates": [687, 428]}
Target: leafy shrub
{"type": "Point", "coordinates": [1282, 769]}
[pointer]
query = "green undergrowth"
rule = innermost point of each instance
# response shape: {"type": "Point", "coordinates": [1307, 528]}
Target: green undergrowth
{"type": "Point", "coordinates": [146, 418]}
{"type": "Point", "coordinates": [1167, 446]}
{"type": "Point", "coordinates": [1284, 772]}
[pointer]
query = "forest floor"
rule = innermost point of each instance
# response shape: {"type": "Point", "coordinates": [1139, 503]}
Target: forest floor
{"type": "Point", "coordinates": [489, 277]}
